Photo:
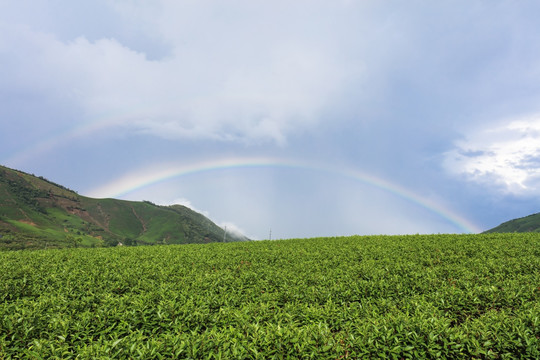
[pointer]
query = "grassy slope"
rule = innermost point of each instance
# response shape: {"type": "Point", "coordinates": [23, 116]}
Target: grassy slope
{"type": "Point", "coordinates": [529, 223]}
{"type": "Point", "coordinates": [35, 213]}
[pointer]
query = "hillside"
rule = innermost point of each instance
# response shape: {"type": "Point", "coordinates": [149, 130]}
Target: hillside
{"type": "Point", "coordinates": [37, 213]}
{"type": "Point", "coordinates": [529, 223]}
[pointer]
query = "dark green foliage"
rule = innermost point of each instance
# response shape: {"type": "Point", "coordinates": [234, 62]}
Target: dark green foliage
{"type": "Point", "coordinates": [389, 297]}
{"type": "Point", "coordinates": [529, 223]}
{"type": "Point", "coordinates": [23, 193]}
{"type": "Point", "coordinates": [56, 185]}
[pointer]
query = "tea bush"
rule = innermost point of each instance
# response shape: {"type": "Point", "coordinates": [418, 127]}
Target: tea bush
{"type": "Point", "coordinates": [396, 297]}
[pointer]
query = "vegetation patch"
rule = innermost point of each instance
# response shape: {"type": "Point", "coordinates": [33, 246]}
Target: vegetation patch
{"type": "Point", "coordinates": [392, 297]}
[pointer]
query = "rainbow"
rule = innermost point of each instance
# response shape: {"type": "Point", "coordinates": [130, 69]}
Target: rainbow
{"type": "Point", "coordinates": [77, 130]}
{"type": "Point", "coordinates": [151, 176]}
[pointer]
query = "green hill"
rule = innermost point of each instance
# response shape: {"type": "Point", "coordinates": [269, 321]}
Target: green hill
{"type": "Point", "coordinates": [37, 213]}
{"type": "Point", "coordinates": [529, 223]}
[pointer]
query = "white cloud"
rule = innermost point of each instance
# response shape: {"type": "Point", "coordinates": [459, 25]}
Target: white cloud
{"type": "Point", "coordinates": [506, 156]}
{"type": "Point", "coordinates": [185, 202]}
{"type": "Point", "coordinates": [227, 77]}
{"type": "Point", "coordinates": [251, 70]}
{"type": "Point", "coordinates": [228, 225]}
{"type": "Point", "coordinates": [231, 227]}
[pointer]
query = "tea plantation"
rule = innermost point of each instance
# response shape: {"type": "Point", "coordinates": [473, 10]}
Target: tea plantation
{"type": "Point", "coordinates": [395, 297]}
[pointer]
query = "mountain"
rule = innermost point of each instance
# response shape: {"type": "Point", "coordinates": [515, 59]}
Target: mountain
{"type": "Point", "coordinates": [529, 223]}
{"type": "Point", "coordinates": [37, 213]}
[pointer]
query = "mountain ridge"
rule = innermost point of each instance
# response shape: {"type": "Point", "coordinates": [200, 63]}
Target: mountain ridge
{"type": "Point", "coordinates": [38, 213]}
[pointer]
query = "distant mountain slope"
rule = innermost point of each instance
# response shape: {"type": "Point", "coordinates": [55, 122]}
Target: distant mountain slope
{"type": "Point", "coordinates": [529, 223]}
{"type": "Point", "coordinates": [37, 213]}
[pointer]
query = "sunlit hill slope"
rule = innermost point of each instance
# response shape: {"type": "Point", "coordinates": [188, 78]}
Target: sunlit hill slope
{"type": "Point", "coordinates": [36, 213]}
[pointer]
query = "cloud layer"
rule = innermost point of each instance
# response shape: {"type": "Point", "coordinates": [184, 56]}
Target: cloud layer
{"type": "Point", "coordinates": [255, 71]}
{"type": "Point", "coordinates": [506, 156]}
{"type": "Point", "coordinates": [228, 75]}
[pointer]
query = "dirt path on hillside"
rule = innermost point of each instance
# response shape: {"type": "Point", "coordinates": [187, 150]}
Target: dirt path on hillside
{"type": "Point", "coordinates": [143, 224]}
{"type": "Point", "coordinates": [27, 220]}
{"type": "Point", "coordinates": [106, 218]}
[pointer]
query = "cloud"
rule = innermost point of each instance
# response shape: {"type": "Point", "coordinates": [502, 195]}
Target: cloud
{"type": "Point", "coordinates": [260, 71]}
{"type": "Point", "coordinates": [228, 225]}
{"type": "Point", "coordinates": [226, 77]}
{"type": "Point", "coordinates": [185, 202]}
{"type": "Point", "coordinates": [234, 229]}
{"type": "Point", "coordinates": [506, 156]}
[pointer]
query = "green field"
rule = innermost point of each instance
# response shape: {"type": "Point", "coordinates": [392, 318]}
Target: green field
{"type": "Point", "coordinates": [397, 297]}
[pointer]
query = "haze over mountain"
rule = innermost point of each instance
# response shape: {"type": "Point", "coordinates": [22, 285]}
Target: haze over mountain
{"type": "Point", "coordinates": [36, 213]}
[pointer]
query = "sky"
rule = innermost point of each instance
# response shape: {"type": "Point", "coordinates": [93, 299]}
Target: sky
{"type": "Point", "coordinates": [282, 119]}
